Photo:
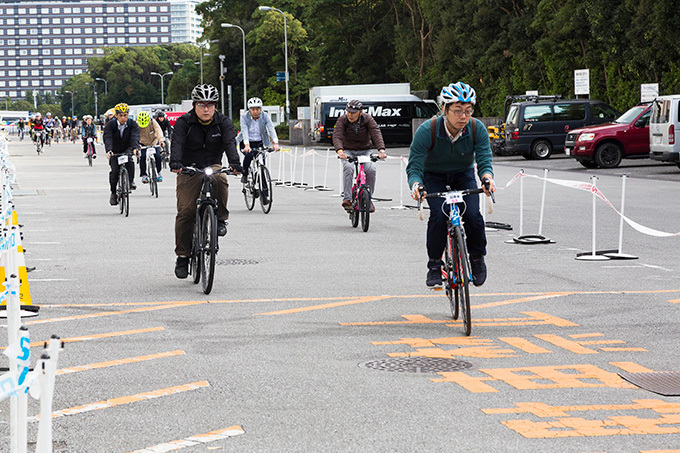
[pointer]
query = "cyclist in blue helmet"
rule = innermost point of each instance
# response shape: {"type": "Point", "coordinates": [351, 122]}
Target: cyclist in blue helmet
{"type": "Point", "coordinates": [446, 156]}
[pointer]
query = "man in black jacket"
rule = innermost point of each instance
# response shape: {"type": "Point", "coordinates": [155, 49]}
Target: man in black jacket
{"type": "Point", "coordinates": [200, 138]}
{"type": "Point", "coordinates": [121, 137]}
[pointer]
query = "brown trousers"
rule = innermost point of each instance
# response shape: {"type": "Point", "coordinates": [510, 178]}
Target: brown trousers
{"type": "Point", "coordinates": [188, 191]}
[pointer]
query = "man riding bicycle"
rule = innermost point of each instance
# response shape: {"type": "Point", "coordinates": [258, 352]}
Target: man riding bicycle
{"type": "Point", "coordinates": [257, 131]}
{"type": "Point", "coordinates": [201, 136]}
{"type": "Point", "coordinates": [89, 130]}
{"type": "Point", "coordinates": [121, 137]}
{"type": "Point", "coordinates": [150, 134]}
{"type": "Point", "coordinates": [460, 141]}
{"type": "Point", "coordinates": [355, 134]}
{"type": "Point", "coordinates": [37, 125]}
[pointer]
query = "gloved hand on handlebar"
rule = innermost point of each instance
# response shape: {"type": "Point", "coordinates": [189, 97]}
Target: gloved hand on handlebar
{"type": "Point", "coordinates": [175, 167]}
{"type": "Point", "coordinates": [236, 168]}
{"type": "Point", "coordinates": [488, 184]}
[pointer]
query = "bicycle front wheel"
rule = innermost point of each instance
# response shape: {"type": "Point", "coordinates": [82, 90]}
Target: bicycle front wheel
{"type": "Point", "coordinates": [249, 190]}
{"type": "Point", "coordinates": [365, 208]}
{"type": "Point", "coordinates": [153, 178]}
{"type": "Point", "coordinates": [265, 190]}
{"type": "Point", "coordinates": [89, 154]}
{"type": "Point", "coordinates": [448, 277]}
{"type": "Point", "coordinates": [208, 247]}
{"type": "Point", "coordinates": [463, 278]}
{"type": "Point", "coordinates": [125, 184]}
{"type": "Point", "coordinates": [354, 209]}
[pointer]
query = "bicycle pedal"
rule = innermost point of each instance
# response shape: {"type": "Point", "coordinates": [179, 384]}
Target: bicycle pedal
{"type": "Point", "coordinates": [436, 288]}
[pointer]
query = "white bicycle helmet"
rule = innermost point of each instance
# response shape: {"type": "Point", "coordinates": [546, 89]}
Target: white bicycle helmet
{"type": "Point", "coordinates": [205, 93]}
{"type": "Point", "coordinates": [458, 92]}
{"type": "Point", "coordinates": [254, 102]}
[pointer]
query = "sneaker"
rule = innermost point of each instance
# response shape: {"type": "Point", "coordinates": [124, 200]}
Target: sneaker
{"type": "Point", "coordinates": [478, 269]}
{"type": "Point", "coordinates": [133, 186]}
{"type": "Point", "coordinates": [221, 228]}
{"type": "Point", "coordinates": [346, 204]}
{"type": "Point", "coordinates": [265, 200]}
{"type": "Point", "coordinates": [113, 199]}
{"type": "Point", "coordinates": [244, 178]}
{"type": "Point", "coordinates": [159, 179]}
{"type": "Point", "coordinates": [182, 267]}
{"type": "Point", "coordinates": [434, 273]}
{"type": "Point", "coordinates": [145, 179]}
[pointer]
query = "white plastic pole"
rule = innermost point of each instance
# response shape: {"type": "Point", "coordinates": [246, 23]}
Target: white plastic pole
{"type": "Point", "coordinates": [623, 205]}
{"type": "Point", "coordinates": [302, 184]}
{"type": "Point", "coordinates": [325, 170]}
{"type": "Point", "coordinates": [545, 182]}
{"type": "Point", "coordinates": [278, 173]}
{"type": "Point", "coordinates": [313, 186]}
{"type": "Point", "coordinates": [594, 179]}
{"type": "Point", "coordinates": [49, 372]}
{"type": "Point", "coordinates": [340, 182]}
{"type": "Point", "coordinates": [292, 177]}
{"type": "Point", "coordinates": [521, 203]}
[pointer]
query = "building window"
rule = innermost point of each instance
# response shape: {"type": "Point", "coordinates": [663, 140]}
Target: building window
{"type": "Point", "coordinates": [35, 72]}
{"type": "Point", "coordinates": [76, 10]}
{"type": "Point", "coordinates": [100, 41]}
{"type": "Point", "coordinates": [77, 41]}
{"type": "Point", "coordinates": [68, 51]}
{"type": "Point", "coordinates": [99, 10]}
{"type": "Point", "coordinates": [141, 9]}
{"type": "Point", "coordinates": [120, 40]}
{"type": "Point", "coordinates": [35, 62]}
{"type": "Point", "coordinates": [76, 31]}
{"type": "Point", "coordinates": [57, 51]}
{"type": "Point", "coordinates": [23, 72]}
{"type": "Point", "coordinates": [57, 62]}
{"type": "Point", "coordinates": [120, 30]}
{"type": "Point", "coordinates": [22, 21]}
{"type": "Point", "coordinates": [44, 20]}
{"type": "Point", "coordinates": [153, 19]}
{"type": "Point", "coordinates": [88, 11]}
{"type": "Point", "coordinates": [120, 20]}
{"type": "Point", "coordinates": [133, 40]}
{"type": "Point", "coordinates": [76, 20]}
{"type": "Point", "coordinates": [68, 72]}
{"type": "Point", "coordinates": [67, 10]}
{"type": "Point", "coordinates": [99, 20]}
{"type": "Point", "coordinates": [55, 10]}
{"type": "Point", "coordinates": [88, 51]}
{"type": "Point", "coordinates": [34, 21]}
{"type": "Point", "coordinates": [34, 51]}
{"type": "Point", "coordinates": [110, 20]}
{"type": "Point", "coordinates": [110, 9]}
{"type": "Point", "coordinates": [100, 30]}
{"type": "Point", "coordinates": [88, 31]}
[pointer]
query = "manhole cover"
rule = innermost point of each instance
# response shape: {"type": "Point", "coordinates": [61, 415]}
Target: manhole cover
{"type": "Point", "coordinates": [234, 262]}
{"type": "Point", "coordinates": [665, 383]}
{"type": "Point", "coordinates": [418, 365]}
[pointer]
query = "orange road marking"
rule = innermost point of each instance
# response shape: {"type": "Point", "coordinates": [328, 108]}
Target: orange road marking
{"type": "Point", "coordinates": [99, 335]}
{"type": "Point", "coordinates": [586, 335]}
{"type": "Point", "coordinates": [194, 440]}
{"type": "Point", "coordinates": [110, 363]}
{"type": "Point", "coordinates": [674, 301]}
{"type": "Point", "coordinates": [545, 410]}
{"type": "Point", "coordinates": [359, 300]}
{"type": "Point", "coordinates": [631, 367]}
{"type": "Point", "coordinates": [535, 318]}
{"type": "Point", "coordinates": [525, 345]}
{"type": "Point", "coordinates": [125, 400]}
{"type": "Point", "coordinates": [566, 344]}
{"type": "Point", "coordinates": [623, 349]}
{"type": "Point", "coordinates": [517, 301]}
{"type": "Point", "coordinates": [112, 313]}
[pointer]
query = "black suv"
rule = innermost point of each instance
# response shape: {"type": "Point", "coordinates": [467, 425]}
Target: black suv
{"type": "Point", "coordinates": [535, 128]}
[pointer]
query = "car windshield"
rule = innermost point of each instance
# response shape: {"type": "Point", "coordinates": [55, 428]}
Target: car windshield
{"type": "Point", "coordinates": [630, 115]}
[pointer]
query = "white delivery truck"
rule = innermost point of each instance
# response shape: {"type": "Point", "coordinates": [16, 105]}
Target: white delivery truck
{"type": "Point", "coordinates": [664, 125]}
{"type": "Point", "coordinates": [391, 105]}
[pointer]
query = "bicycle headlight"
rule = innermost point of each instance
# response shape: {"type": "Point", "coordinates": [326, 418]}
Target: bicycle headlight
{"type": "Point", "coordinates": [209, 171]}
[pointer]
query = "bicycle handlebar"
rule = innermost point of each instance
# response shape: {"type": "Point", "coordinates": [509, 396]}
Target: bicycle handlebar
{"type": "Point", "coordinates": [374, 158]}
{"type": "Point", "coordinates": [189, 170]}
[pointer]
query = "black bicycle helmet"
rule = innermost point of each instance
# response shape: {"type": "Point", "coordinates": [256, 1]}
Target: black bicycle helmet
{"type": "Point", "coordinates": [354, 105]}
{"type": "Point", "coordinates": [205, 93]}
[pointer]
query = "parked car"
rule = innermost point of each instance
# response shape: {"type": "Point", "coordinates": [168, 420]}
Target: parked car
{"type": "Point", "coordinates": [605, 145]}
{"type": "Point", "coordinates": [664, 123]}
{"type": "Point", "coordinates": [537, 128]}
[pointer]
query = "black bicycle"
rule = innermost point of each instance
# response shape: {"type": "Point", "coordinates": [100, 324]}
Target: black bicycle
{"type": "Point", "coordinates": [123, 187]}
{"type": "Point", "coordinates": [258, 182]}
{"type": "Point", "coordinates": [204, 245]}
{"type": "Point", "coordinates": [151, 169]}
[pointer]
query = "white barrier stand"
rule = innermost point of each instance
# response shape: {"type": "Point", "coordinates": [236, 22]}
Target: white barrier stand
{"type": "Point", "coordinates": [592, 255]}
{"type": "Point", "coordinates": [293, 162]}
{"type": "Point", "coordinates": [340, 180]}
{"type": "Point", "coordinates": [313, 187]}
{"type": "Point", "coordinates": [619, 255]}
{"type": "Point", "coordinates": [402, 170]}
{"type": "Point", "coordinates": [302, 184]}
{"type": "Point", "coordinates": [48, 369]}
{"type": "Point", "coordinates": [324, 187]}
{"type": "Point", "coordinates": [531, 239]}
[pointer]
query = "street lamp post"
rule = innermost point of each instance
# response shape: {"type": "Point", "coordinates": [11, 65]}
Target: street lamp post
{"type": "Point", "coordinates": [162, 87]}
{"type": "Point", "coordinates": [96, 107]}
{"type": "Point", "coordinates": [222, 57]}
{"type": "Point", "coordinates": [201, 45]}
{"type": "Point", "coordinates": [106, 85]}
{"type": "Point", "coordinates": [72, 93]}
{"type": "Point", "coordinates": [285, 38]}
{"type": "Point", "coordinates": [245, 97]}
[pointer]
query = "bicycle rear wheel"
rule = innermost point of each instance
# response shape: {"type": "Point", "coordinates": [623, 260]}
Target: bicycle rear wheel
{"type": "Point", "coordinates": [365, 208]}
{"type": "Point", "coordinates": [208, 247]}
{"type": "Point", "coordinates": [125, 181]}
{"type": "Point", "coordinates": [249, 189]}
{"type": "Point", "coordinates": [448, 277]}
{"type": "Point", "coordinates": [265, 190]}
{"type": "Point", "coordinates": [195, 261]}
{"type": "Point", "coordinates": [463, 278]}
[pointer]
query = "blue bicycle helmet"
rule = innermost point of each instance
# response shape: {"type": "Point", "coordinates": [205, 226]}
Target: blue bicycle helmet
{"type": "Point", "coordinates": [458, 92]}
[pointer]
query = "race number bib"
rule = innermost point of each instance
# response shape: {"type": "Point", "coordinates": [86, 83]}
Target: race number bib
{"type": "Point", "coordinates": [122, 160]}
{"type": "Point", "coordinates": [454, 197]}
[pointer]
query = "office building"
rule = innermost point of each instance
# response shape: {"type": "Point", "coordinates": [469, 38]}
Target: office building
{"type": "Point", "coordinates": [185, 23]}
{"type": "Point", "coordinates": [44, 43]}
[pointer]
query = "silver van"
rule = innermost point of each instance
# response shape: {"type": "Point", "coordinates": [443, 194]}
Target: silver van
{"type": "Point", "coordinates": [663, 126]}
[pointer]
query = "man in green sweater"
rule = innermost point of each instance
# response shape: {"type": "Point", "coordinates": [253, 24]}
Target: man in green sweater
{"type": "Point", "coordinates": [449, 161]}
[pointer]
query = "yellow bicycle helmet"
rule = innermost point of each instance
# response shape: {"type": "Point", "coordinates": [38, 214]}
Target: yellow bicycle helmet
{"type": "Point", "coordinates": [143, 119]}
{"type": "Point", "coordinates": [122, 108]}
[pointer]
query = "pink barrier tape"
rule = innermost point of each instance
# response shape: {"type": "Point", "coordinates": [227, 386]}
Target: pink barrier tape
{"type": "Point", "coordinates": [587, 187]}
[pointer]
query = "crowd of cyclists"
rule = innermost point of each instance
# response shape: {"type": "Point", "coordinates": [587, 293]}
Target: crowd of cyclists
{"type": "Point", "coordinates": [443, 156]}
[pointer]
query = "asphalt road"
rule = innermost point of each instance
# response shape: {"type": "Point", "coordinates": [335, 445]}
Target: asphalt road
{"type": "Point", "coordinates": [290, 351]}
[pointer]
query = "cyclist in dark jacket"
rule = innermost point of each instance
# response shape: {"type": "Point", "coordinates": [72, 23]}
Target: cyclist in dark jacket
{"type": "Point", "coordinates": [121, 136]}
{"type": "Point", "coordinates": [201, 137]}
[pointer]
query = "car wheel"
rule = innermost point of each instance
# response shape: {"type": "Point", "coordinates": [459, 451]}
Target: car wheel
{"type": "Point", "coordinates": [608, 155]}
{"type": "Point", "coordinates": [588, 163]}
{"type": "Point", "coordinates": [541, 149]}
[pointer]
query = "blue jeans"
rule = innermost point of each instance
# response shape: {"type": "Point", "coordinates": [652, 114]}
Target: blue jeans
{"type": "Point", "coordinates": [473, 222]}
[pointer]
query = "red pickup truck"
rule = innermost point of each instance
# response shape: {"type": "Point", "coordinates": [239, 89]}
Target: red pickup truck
{"type": "Point", "coordinates": [605, 145]}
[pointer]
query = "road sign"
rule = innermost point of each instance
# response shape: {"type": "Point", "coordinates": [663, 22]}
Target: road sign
{"type": "Point", "coordinates": [281, 76]}
{"type": "Point", "coordinates": [649, 92]}
{"type": "Point", "coordinates": [581, 81]}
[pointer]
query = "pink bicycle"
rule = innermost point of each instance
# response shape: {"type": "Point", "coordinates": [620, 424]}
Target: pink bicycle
{"type": "Point", "coordinates": [361, 193]}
